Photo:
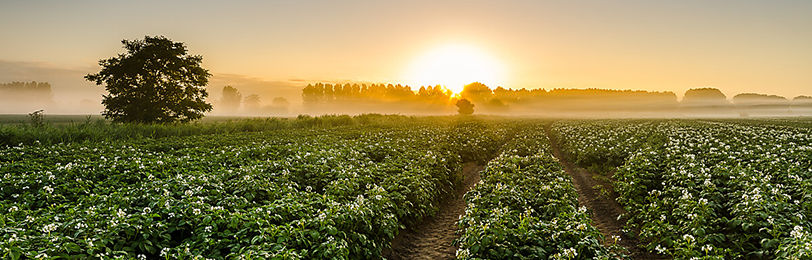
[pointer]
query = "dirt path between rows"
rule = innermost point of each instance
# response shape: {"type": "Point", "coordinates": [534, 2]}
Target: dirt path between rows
{"type": "Point", "coordinates": [433, 238]}
{"type": "Point", "coordinates": [604, 209]}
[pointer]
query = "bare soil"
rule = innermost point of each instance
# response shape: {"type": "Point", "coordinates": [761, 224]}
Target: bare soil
{"type": "Point", "coordinates": [433, 238]}
{"type": "Point", "coordinates": [603, 207]}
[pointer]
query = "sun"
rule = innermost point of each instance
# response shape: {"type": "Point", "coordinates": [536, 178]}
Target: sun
{"type": "Point", "coordinates": [454, 66]}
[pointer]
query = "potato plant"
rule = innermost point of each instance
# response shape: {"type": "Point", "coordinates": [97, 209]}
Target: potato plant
{"type": "Point", "coordinates": [342, 192]}
{"type": "Point", "coordinates": [526, 207]}
{"type": "Point", "coordinates": [712, 190]}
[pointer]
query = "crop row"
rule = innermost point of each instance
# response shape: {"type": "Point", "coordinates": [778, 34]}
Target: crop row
{"type": "Point", "coordinates": [715, 190]}
{"type": "Point", "coordinates": [526, 207]}
{"type": "Point", "coordinates": [342, 192]}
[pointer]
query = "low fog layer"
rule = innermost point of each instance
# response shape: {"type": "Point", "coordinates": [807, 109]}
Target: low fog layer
{"type": "Point", "coordinates": [70, 93]}
{"type": "Point", "coordinates": [349, 98]}
{"type": "Point", "coordinates": [27, 87]}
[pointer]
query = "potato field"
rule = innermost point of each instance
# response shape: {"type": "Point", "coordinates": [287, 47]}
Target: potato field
{"type": "Point", "coordinates": [687, 189]}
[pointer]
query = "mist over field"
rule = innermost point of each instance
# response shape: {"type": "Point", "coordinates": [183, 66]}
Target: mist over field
{"type": "Point", "coordinates": [70, 93]}
{"type": "Point", "coordinates": [64, 91]}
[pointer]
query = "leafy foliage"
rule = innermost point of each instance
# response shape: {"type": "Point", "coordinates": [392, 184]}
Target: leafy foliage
{"type": "Point", "coordinates": [342, 192]}
{"type": "Point", "coordinates": [154, 81]}
{"type": "Point", "coordinates": [526, 207]}
{"type": "Point", "coordinates": [36, 118]}
{"type": "Point", "coordinates": [713, 190]}
{"type": "Point", "coordinates": [465, 107]}
{"type": "Point", "coordinates": [342, 187]}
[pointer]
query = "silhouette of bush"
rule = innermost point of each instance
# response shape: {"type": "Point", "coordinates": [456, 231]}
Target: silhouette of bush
{"type": "Point", "coordinates": [465, 107]}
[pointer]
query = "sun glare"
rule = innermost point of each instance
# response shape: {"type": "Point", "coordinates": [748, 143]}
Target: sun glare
{"type": "Point", "coordinates": [454, 66]}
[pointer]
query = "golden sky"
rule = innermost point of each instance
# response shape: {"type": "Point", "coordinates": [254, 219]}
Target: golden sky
{"type": "Point", "coordinates": [737, 46]}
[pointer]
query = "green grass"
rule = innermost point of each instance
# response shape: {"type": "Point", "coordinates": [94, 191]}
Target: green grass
{"type": "Point", "coordinates": [68, 129]}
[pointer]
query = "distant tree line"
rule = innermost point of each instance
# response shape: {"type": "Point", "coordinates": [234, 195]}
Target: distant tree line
{"type": "Point", "coordinates": [25, 96]}
{"type": "Point", "coordinates": [490, 99]}
{"type": "Point", "coordinates": [482, 94]}
{"type": "Point", "coordinates": [715, 97]}
{"type": "Point", "coordinates": [327, 93]}
{"type": "Point", "coordinates": [501, 99]}
{"type": "Point", "coordinates": [26, 86]}
{"type": "Point", "coordinates": [476, 92]}
{"type": "Point", "coordinates": [25, 91]}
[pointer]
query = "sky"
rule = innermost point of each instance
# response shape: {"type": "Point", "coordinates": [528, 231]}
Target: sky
{"type": "Point", "coordinates": [736, 46]}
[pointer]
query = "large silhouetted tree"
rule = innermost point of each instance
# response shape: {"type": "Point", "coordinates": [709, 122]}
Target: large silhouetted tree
{"type": "Point", "coordinates": [156, 80]}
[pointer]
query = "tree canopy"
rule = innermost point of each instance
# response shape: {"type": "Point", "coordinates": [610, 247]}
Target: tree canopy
{"type": "Point", "coordinates": [476, 92]}
{"type": "Point", "coordinates": [154, 81]}
{"type": "Point", "coordinates": [704, 95]}
{"type": "Point", "coordinates": [465, 107]}
{"type": "Point", "coordinates": [252, 102]}
{"type": "Point", "coordinates": [231, 99]}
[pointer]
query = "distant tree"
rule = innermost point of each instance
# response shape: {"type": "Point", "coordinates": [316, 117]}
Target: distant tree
{"type": "Point", "coordinates": [309, 95]}
{"type": "Point", "coordinates": [231, 99]}
{"type": "Point", "coordinates": [313, 94]}
{"type": "Point", "coordinates": [422, 92]}
{"type": "Point", "coordinates": [156, 80]}
{"type": "Point", "coordinates": [476, 92]}
{"type": "Point", "coordinates": [759, 99]}
{"type": "Point", "coordinates": [329, 94]}
{"type": "Point", "coordinates": [704, 96]}
{"type": "Point", "coordinates": [252, 102]}
{"type": "Point", "coordinates": [355, 90]}
{"type": "Point", "coordinates": [280, 102]}
{"type": "Point", "coordinates": [279, 105]}
{"type": "Point", "coordinates": [465, 107]}
{"type": "Point", "coordinates": [440, 93]}
{"type": "Point", "coordinates": [503, 93]}
{"type": "Point", "coordinates": [496, 104]}
{"type": "Point", "coordinates": [802, 101]}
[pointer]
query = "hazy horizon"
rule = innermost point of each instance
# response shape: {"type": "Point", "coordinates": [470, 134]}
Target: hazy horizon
{"type": "Point", "coordinates": [274, 49]}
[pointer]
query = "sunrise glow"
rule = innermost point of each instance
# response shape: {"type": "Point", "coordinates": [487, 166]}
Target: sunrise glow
{"type": "Point", "coordinates": [455, 65]}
